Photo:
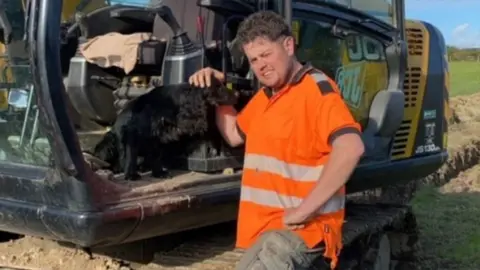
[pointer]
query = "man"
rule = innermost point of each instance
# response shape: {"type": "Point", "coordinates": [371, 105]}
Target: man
{"type": "Point", "coordinates": [302, 145]}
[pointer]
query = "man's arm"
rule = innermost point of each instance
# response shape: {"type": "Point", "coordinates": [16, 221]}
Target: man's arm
{"type": "Point", "coordinates": [347, 150]}
{"type": "Point", "coordinates": [235, 125]}
{"type": "Point", "coordinates": [226, 118]}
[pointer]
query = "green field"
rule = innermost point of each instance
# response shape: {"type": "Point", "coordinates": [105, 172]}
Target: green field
{"type": "Point", "coordinates": [464, 78]}
{"type": "Point", "coordinates": [450, 229]}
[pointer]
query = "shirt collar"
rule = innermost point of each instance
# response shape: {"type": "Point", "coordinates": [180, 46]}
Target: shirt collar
{"type": "Point", "coordinates": [296, 78]}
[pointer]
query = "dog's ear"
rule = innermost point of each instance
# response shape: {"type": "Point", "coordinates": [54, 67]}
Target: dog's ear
{"type": "Point", "coordinates": [215, 83]}
{"type": "Point", "coordinates": [223, 95]}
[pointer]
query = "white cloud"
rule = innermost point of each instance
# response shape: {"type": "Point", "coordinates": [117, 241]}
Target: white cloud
{"type": "Point", "coordinates": [465, 36]}
{"type": "Point", "coordinates": [460, 29]}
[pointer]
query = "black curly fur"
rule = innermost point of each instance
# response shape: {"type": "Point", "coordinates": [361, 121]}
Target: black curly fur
{"type": "Point", "coordinates": [150, 124]}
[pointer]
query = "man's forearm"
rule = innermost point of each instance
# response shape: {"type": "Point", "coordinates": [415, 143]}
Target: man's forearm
{"type": "Point", "coordinates": [226, 118]}
{"type": "Point", "coordinates": [336, 173]}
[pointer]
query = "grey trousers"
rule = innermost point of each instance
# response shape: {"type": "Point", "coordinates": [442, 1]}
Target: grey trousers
{"type": "Point", "coordinates": [282, 250]}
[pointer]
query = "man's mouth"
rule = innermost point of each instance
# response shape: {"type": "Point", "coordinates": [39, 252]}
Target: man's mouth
{"type": "Point", "coordinates": [266, 74]}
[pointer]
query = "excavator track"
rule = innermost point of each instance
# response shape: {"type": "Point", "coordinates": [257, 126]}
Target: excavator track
{"type": "Point", "coordinates": [212, 248]}
{"type": "Point", "coordinates": [216, 252]}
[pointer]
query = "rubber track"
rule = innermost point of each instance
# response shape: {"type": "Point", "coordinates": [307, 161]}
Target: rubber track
{"type": "Point", "coordinates": [364, 219]}
{"type": "Point", "coordinates": [217, 252]}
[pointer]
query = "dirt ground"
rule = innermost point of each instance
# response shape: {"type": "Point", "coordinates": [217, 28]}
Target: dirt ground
{"type": "Point", "coordinates": [466, 115]}
{"type": "Point", "coordinates": [458, 177]}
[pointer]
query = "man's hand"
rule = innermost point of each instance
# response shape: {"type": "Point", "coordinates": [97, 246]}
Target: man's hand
{"type": "Point", "coordinates": [294, 220]}
{"type": "Point", "coordinates": [203, 77]}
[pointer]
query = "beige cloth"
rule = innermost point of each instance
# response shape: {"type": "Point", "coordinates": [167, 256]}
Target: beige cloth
{"type": "Point", "coordinates": [114, 49]}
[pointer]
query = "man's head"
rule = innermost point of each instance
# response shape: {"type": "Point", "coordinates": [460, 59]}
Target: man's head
{"type": "Point", "coordinates": [267, 41]}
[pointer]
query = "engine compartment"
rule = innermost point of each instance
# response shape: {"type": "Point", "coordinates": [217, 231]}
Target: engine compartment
{"type": "Point", "coordinates": [100, 84]}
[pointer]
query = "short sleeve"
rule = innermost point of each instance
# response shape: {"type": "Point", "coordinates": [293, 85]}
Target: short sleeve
{"type": "Point", "coordinates": [245, 116]}
{"type": "Point", "coordinates": [334, 119]}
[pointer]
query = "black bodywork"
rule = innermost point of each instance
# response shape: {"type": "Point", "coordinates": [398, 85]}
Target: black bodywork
{"type": "Point", "coordinates": [68, 202]}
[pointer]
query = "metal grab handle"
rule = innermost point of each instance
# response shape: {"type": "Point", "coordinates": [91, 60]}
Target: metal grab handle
{"type": "Point", "coordinates": [5, 25]}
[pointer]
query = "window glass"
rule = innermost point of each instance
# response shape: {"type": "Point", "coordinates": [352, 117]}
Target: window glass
{"type": "Point", "coordinates": [357, 63]}
{"type": "Point", "coordinates": [22, 137]}
{"type": "Point", "coordinates": [382, 9]}
{"type": "Point", "coordinates": [140, 3]}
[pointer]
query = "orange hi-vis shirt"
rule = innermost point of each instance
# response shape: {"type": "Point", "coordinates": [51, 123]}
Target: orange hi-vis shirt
{"type": "Point", "coordinates": [287, 142]}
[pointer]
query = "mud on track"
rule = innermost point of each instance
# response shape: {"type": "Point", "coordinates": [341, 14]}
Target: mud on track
{"type": "Point", "coordinates": [34, 253]}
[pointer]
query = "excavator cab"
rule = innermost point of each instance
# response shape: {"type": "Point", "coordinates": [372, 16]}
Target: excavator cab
{"type": "Point", "coordinates": [58, 97]}
{"type": "Point", "coordinates": [369, 65]}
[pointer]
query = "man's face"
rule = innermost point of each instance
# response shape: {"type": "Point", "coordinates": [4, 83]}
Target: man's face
{"type": "Point", "coordinates": [271, 60]}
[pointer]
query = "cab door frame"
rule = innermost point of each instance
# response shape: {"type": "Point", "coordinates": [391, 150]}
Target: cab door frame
{"type": "Point", "coordinates": [48, 201]}
{"type": "Point", "coordinates": [399, 17]}
{"type": "Point", "coordinates": [45, 61]}
{"type": "Point", "coordinates": [44, 185]}
{"type": "Point", "coordinates": [26, 182]}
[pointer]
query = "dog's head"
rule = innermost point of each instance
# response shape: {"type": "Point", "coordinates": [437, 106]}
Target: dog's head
{"type": "Point", "coordinates": [218, 94]}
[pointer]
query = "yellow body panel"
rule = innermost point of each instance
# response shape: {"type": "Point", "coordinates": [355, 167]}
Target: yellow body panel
{"type": "Point", "coordinates": [414, 88]}
{"type": "Point", "coordinates": [69, 8]}
{"type": "Point", "coordinates": [5, 77]}
{"type": "Point", "coordinates": [371, 77]}
{"type": "Point", "coordinates": [361, 80]}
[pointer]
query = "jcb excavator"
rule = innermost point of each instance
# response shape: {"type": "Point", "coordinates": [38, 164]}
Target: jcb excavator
{"type": "Point", "coordinates": [56, 104]}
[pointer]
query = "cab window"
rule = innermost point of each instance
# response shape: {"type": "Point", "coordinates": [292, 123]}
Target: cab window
{"type": "Point", "coordinates": [22, 137]}
{"type": "Point", "coordinates": [356, 62]}
{"type": "Point", "coordinates": [381, 9]}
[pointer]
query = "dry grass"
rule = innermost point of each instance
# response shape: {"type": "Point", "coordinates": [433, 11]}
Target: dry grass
{"type": "Point", "coordinates": [467, 110]}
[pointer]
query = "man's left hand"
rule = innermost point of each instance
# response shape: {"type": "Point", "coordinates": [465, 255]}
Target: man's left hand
{"type": "Point", "coordinates": [293, 219]}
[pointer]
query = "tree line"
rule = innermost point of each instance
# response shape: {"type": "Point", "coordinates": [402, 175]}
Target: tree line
{"type": "Point", "coordinates": [463, 54]}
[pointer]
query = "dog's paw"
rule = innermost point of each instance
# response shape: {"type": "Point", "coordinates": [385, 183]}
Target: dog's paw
{"type": "Point", "coordinates": [132, 176]}
{"type": "Point", "coordinates": [161, 173]}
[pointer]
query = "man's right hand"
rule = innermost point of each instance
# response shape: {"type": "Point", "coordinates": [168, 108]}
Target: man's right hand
{"type": "Point", "coordinates": [203, 77]}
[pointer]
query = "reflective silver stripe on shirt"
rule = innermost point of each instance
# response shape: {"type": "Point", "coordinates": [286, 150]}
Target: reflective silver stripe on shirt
{"type": "Point", "coordinates": [272, 165]}
{"type": "Point", "coordinates": [272, 199]}
{"type": "Point", "coordinates": [319, 76]}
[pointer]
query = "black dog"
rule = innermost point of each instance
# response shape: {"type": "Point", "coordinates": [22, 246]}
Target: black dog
{"type": "Point", "coordinates": [151, 124]}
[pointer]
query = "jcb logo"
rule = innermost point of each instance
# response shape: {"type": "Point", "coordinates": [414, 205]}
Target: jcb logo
{"type": "Point", "coordinates": [350, 81]}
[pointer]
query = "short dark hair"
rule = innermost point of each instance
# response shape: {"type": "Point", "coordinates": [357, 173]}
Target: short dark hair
{"type": "Point", "coordinates": [265, 24]}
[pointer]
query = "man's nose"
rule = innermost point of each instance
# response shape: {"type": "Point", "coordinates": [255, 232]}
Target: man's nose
{"type": "Point", "coordinates": [262, 65]}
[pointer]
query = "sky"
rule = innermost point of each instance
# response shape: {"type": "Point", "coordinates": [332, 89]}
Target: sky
{"type": "Point", "coordinates": [458, 20]}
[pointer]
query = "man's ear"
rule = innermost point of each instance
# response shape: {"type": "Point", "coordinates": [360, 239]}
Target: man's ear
{"type": "Point", "coordinates": [289, 44]}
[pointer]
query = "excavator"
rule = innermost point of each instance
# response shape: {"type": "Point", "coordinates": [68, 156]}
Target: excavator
{"type": "Point", "coordinates": [56, 104]}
